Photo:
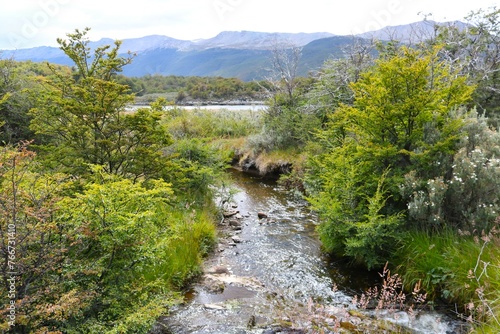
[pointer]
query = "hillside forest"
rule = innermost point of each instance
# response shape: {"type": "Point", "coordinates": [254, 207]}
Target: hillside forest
{"type": "Point", "coordinates": [106, 214]}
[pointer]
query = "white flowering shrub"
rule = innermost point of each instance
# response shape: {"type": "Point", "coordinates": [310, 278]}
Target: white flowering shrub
{"type": "Point", "coordinates": [466, 196]}
{"type": "Point", "coordinates": [427, 200]}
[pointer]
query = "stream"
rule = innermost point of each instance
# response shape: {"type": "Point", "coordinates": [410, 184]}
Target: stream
{"type": "Point", "coordinates": [269, 275]}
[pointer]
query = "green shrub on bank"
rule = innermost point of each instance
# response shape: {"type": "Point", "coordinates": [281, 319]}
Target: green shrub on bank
{"type": "Point", "coordinates": [400, 122]}
{"type": "Point", "coordinates": [109, 259]}
{"type": "Point", "coordinates": [463, 194]}
{"type": "Point", "coordinates": [132, 245]}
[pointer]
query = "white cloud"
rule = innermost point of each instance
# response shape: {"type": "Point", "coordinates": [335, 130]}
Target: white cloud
{"type": "Point", "coordinates": [27, 23]}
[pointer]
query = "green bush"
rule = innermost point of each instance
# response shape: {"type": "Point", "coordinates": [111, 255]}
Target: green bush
{"type": "Point", "coordinates": [133, 248]}
{"type": "Point", "coordinates": [464, 194]}
{"type": "Point", "coordinates": [284, 127]}
{"type": "Point", "coordinates": [401, 123]}
{"type": "Point", "coordinates": [360, 231]}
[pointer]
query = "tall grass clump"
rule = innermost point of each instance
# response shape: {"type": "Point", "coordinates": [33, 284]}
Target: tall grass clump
{"type": "Point", "coordinates": [193, 236]}
{"type": "Point", "coordinates": [457, 268]}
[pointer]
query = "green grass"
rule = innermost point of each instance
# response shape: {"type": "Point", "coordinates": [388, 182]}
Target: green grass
{"type": "Point", "coordinates": [180, 254]}
{"type": "Point", "coordinates": [213, 124]}
{"type": "Point", "coordinates": [458, 268]}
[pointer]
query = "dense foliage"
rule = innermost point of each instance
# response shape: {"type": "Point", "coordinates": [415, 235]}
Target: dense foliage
{"type": "Point", "coordinates": [373, 143]}
{"type": "Point", "coordinates": [16, 88]}
{"type": "Point", "coordinates": [110, 217]}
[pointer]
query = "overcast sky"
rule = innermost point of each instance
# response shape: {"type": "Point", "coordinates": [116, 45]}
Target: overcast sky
{"type": "Point", "coordinates": [29, 23]}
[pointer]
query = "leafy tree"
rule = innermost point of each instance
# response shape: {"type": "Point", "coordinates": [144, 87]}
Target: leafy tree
{"type": "Point", "coordinates": [475, 51]}
{"type": "Point", "coordinates": [82, 115]}
{"type": "Point", "coordinates": [15, 101]}
{"type": "Point", "coordinates": [399, 121]}
{"type": "Point", "coordinates": [32, 242]}
{"type": "Point", "coordinates": [121, 231]}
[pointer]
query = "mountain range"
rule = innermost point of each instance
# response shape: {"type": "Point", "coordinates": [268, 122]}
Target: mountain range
{"type": "Point", "coordinates": [242, 54]}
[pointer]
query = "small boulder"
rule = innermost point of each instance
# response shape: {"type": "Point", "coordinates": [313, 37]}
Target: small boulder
{"type": "Point", "coordinates": [228, 214]}
{"type": "Point", "coordinates": [261, 215]}
{"type": "Point", "coordinates": [214, 286]}
{"type": "Point", "coordinates": [234, 222]}
{"type": "Point", "coordinates": [236, 239]}
{"type": "Point", "coordinates": [218, 270]}
{"type": "Point", "coordinates": [214, 307]}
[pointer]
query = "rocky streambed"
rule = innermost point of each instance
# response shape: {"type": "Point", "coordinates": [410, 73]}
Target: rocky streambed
{"type": "Point", "coordinates": [269, 275]}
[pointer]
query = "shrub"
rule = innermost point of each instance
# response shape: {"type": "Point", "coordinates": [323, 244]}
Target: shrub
{"type": "Point", "coordinates": [399, 124]}
{"type": "Point", "coordinates": [360, 231]}
{"type": "Point", "coordinates": [464, 193]}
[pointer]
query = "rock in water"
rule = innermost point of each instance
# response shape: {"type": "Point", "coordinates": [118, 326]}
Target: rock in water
{"type": "Point", "coordinates": [228, 214]}
{"type": "Point", "coordinates": [234, 222]}
{"type": "Point", "coordinates": [218, 270]}
{"type": "Point", "coordinates": [236, 239]}
{"type": "Point", "coordinates": [214, 307]}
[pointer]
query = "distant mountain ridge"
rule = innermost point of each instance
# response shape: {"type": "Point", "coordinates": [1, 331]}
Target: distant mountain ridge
{"type": "Point", "coordinates": [410, 32]}
{"type": "Point", "coordinates": [242, 54]}
{"type": "Point", "coordinates": [258, 40]}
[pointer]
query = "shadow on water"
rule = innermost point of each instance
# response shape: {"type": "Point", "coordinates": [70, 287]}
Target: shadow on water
{"type": "Point", "coordinates": [269, 273]}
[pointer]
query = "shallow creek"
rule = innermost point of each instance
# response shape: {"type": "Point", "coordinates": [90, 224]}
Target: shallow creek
{"type": "Point", "coordinates": [269, 275]}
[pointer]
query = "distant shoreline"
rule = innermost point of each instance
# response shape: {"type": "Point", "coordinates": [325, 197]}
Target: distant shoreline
{"type": "Point", "coordinates": [210, 106]}
{"type": "Point", "coordinates": [211, 103]}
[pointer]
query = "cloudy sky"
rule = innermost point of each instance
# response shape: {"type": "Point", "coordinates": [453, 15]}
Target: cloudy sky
{"type": "Point", "coordinates": [29, 23]}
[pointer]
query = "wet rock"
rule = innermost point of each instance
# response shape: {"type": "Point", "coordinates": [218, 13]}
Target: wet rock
{"type": "Point", "coordinates": [261, 215]}
{"type": "Point", "coordinates": [214, 286]}
{"type": "Point", "coordinates": [228, 214]}
{"type": "Point", "coordinates": [236, 239]}
{"type": "Point", "coordinates": [218, 270]}
{"type": "Point", "coordinates": [251, 321]}
{"type": "Point", "coordinates": [234, 222]}
{"type": "Point", "coordinates": [214, 307]}
{"type": "Point", "coordinates": [238, 216]}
